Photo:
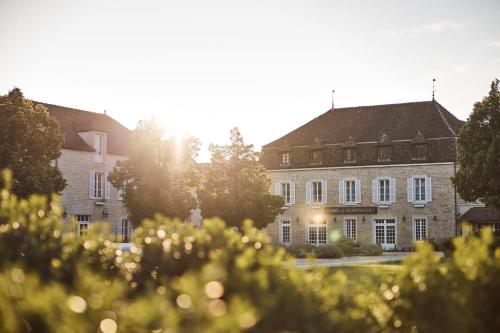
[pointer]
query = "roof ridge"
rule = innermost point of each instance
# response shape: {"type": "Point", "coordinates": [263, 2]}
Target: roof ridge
{"type": "Point", "coordinates": [376, 105]}
{"type": "Point", "coordinates": [69, 108]}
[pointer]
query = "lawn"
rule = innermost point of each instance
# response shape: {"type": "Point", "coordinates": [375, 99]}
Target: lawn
{"type": "Point", "coordinates": [368, 275]}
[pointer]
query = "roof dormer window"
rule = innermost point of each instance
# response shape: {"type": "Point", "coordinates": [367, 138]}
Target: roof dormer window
{"type": "Point", "coordinates": [419, 151]}
{"type": "Point", "coordinates": [99, 146]}
{"type": "Point", "coordinates": [384, 153]}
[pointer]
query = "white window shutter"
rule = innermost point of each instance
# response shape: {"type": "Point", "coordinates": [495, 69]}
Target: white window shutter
{"type": "Point", "coordinates": [92, 185]}
{"type": "Point", "coordinates": [410, 184]}
{"type": "Point", "coordinates": [277, 189]}
{"type": "Point", "coordinates": [392, 190]}
{"type": "Point", "coordinates": [308, 193]}
{"type": "Point", "coordinates": [107, 188]}
{"type": "Point", "coordinates": [375, 191]}
{"type": "Point", "coordinates": [358, 190]}
{"type": "Point", "coordinates": [428, 189]}
{"type": "Point", "coordinates": [292, 193]}
{"type": "Point", "coordinates": [324, 192]}
{"type": "Point", "coordinates": [341, 191]}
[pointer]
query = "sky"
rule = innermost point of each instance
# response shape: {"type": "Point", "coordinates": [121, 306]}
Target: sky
{"type": "Point", "coordinates": [203, 67]}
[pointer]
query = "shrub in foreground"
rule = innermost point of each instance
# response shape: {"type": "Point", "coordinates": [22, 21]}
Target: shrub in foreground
{"type": "Point", "coordinates": [214, 279]}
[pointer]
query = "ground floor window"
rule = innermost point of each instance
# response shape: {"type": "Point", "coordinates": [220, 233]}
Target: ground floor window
{"type": "Point", "coordinates": [350, 229]}
{"type": "Point", "coordinates": [82, 224]}
{"type": "Point", "coordinates": [125, 230]}
{"type": "Point", "coordinates": [493, 226]}
{"type": "Point", "coordinates": [317, 233]}
{"type": "Point", "coordinates": [285, 231]}
{"type": "Point", "coordinates": [385, 233]}
{"type": "Point", "coordinates": [420, 229]}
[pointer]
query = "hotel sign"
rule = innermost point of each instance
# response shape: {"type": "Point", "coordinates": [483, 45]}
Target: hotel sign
{"type": "Point", "coordinates": [351, 210]}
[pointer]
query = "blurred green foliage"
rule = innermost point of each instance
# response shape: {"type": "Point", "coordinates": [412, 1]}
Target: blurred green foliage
{"type": "Point", "coordinates": [177, 278]}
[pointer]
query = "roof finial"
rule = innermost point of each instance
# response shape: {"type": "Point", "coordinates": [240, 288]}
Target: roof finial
{"type": "Point", "coordinates": [433, 90]}
{"type": "Point", "coordinates": [104, 111]}
{"type": "Point", "coordinates": [333, 104]}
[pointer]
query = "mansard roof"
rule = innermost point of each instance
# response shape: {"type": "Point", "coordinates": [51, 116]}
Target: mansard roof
{"type": "Point", "coordinates": [72, 121]}
{"type": "Point", "coordinates": [370, 123]}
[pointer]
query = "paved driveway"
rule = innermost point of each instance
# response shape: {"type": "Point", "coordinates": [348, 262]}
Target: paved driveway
{"type": "Point", "coordinates": [357, 260]}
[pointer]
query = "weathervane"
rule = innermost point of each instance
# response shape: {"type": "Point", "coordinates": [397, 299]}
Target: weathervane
{"type": "Point", "coordinates": [333, 104]}
{"type": "Point", "coordinates": [433, 90]}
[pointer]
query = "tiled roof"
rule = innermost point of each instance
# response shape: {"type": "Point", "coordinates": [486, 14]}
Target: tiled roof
{"type": "Point", "coordinates": [480, 215]}
{"type": "Point", "coordinates": [369, 123]}
{"type": "Point", "coordinates": [73, 121]}
{"type": "Point", "coordinates": [400, 126]}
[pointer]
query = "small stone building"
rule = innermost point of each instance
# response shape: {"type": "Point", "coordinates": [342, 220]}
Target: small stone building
{"type": "Point", "coordinates": [93, 143]}
{"type": "Point", "coordinates": [374, 174]}
{"type": "Point", "coordinates": [478, 218]}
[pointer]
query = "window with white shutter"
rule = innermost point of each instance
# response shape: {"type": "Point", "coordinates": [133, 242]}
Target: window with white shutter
{"type": "Point", "coordinates": [317, 192]}
{"type": "Point", "coordinates": [97, 185]}
{"type": "Point", "coordinates": [419, 189]}
{"type": "Point", "coordinates": [284, 189]}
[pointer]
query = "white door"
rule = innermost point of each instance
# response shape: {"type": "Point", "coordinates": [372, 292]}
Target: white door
{"type": "Point", "coordinates": [385, 233]}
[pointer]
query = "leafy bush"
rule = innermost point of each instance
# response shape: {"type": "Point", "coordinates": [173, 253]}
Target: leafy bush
{"type": "Point", "coordinates": [214, 279]}
{"type": "Point", "coordinates": [320, 251]}
{"type": "Point", "coordinates": [444, 245]}
{"type": "Point", "coordinates": [347, 247]}
{"type": "Point", "coordinates": [371, 249]}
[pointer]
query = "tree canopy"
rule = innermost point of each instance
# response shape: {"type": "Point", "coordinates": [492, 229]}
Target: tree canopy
{"type": "Point", "coordinates": [235, 185]}
{"type": "Point", "coordinates": [30, 142]}
{"type": "Point", "coordinates": [478, 174]}
{"type": "Point", "coordinates": [158, 175]}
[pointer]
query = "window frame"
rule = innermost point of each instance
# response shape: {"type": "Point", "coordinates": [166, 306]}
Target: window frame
{"type": "Point", "coordinates": [101, 182]}
{"type": "Point", "coordinates": [314, 227]}
{"type": "Point", "coordinates": [82, 220]}
{"type": "Point", "coordinates": [283, 186]}
{"type": "Point", "coordinates": [380, 151]}
{"type": "Point", "coordinates": [418, 220]}
{"type": "Point", "coordinates": [319, 193]}
{"type": "Point", "coordinates": [125, 230]}
{"type": "Point", "coordinates": [353, 156]}
{"type": "Point", "coordinates": [352, 189]}
{"type": "Point", "coordinates": [422, 189]}
{"type": "Point", "coordinates": [386, 189]}
{"type": "Point", "coordinates": [285, 222]}
{"type": "Point", "coordinates": [99, 146]}
{"type": "Point", "coordinates": [351, 228]}
{"type": "Point", "coordinates": [285, 158]}
{"type": "Point", "coordinates": [316, 156]}
{"type": "Point", "coordinates": [414, 153]}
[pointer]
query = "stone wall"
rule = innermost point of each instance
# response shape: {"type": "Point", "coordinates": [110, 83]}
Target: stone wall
{"type": "Point", "coordinates": [442, 206]}
{"type": "Point", "coordinates": [75, 166]}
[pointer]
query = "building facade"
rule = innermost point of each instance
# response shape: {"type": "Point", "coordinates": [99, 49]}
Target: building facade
{"type": "Point", "coordinates": [374, 174]}
{"type": "Point", "coordinates": [93, 143]}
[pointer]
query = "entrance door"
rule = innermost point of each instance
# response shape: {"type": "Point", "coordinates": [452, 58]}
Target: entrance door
{"type": "Point", "coordinates": [385, 233]}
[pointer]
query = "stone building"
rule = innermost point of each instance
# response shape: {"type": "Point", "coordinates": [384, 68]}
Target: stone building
{"type": "Point", "coordinates": [375, 174]}
{"type": "Point", "coordinates": [93, 142]}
